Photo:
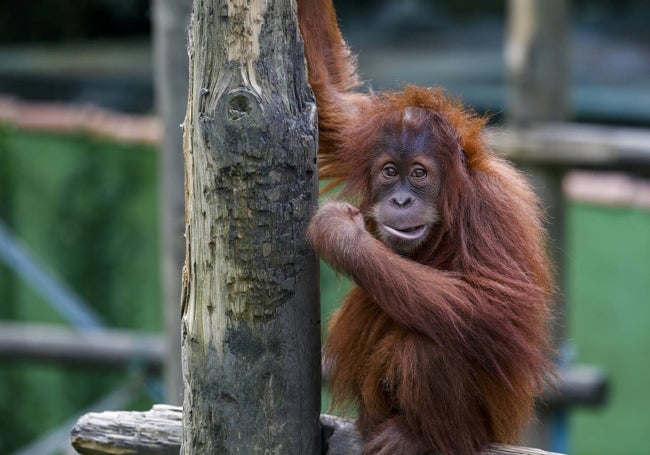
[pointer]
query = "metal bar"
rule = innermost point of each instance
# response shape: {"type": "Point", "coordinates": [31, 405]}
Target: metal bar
{"type": "Point", "coordinates": [59, 296]}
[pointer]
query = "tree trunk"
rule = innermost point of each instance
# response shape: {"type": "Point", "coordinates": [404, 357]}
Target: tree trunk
{"type": "Point", "coordinates": [250, 312]}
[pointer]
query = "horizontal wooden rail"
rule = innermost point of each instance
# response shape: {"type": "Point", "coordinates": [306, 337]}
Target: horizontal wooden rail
{"type": "Point", "coordinates": [576, 386]}
{"type": "Point", "coordinates": [159, 431]}
{"type": "Point", "coordinates": [572, 144]}
{"type": "Point", "coordinates": [562, 144]}
{"type": "Point", "coordinates": [99, 347]}
{"type": "Point", "coordinates": [91, 120]}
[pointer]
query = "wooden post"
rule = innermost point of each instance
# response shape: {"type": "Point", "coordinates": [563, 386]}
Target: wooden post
{"type": "Point", "coordinates": [171, 18]}
{"type": "Point", "coordinates": [250, 312]}
{"type": "Point", "coordinates": [537, 60]}
{"type": "Point", "coordinates": [536, 54]}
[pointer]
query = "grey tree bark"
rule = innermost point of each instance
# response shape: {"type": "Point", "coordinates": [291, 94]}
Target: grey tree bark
{"type": "Point", "coordinates": [250, 311]}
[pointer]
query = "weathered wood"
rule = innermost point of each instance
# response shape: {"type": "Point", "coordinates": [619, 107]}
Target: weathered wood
{"type": "Point", "coordinates": [100, 348]}
{"type": "Point", "coordinates": [250, 313]}
{"type": "Point", "coordinates": [158, 431]}
{"type": "Point", "coordinates": [574, 145]}
{"type": "Point", "coordinates": [537, 62]}
{"type": "Point", "coordinates": [136, 433]}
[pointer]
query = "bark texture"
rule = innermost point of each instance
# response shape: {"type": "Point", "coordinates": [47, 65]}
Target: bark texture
{"type": "Point", "coordinates": [250, 312]}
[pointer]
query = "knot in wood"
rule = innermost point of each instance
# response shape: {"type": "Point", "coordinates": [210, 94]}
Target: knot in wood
{"type": "Point", "coordinates": [243, 104]}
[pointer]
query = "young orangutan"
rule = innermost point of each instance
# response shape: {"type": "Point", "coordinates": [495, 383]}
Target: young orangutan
{"type": "Point", "coordinates": [442, 345]}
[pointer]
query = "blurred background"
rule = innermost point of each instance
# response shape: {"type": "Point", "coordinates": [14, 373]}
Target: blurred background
{"type": "Point", "coordinates": [91, 223]}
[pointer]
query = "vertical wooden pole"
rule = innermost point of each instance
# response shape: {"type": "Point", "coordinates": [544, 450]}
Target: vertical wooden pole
{"type": "Point", "coordinates": [538, 69]}
{"type": "Point", "coordinates": [537, 59]}
{"type": "Point", "coordinates": [250, 312]}
{"type": "Point", "coordinates": [171, 18]}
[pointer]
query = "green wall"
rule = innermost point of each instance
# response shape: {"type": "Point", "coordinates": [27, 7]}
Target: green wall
{"type": "Point", "coordinates": [609, 322]}
{"type": "Point", "coordinates": [87, 209]}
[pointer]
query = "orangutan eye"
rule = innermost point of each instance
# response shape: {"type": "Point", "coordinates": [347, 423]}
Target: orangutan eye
{"type": "Point", "coordinates": [389, 171]}
{"type": "Point", "coordinates": [419, 173]}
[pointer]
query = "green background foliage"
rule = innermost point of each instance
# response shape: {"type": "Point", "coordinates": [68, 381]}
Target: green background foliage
{"type": "Point", "coordinates": [87, 209]}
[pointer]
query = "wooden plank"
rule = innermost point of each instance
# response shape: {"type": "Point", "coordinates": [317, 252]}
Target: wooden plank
{"type": "Point", "coordinates": [95, 121]}
{"type": "Point", "coordinates": [101, 347]}
{"type": "Point", "coordinates": [159, 431]}
{"type": "Point", "coordinates": [571, 144]}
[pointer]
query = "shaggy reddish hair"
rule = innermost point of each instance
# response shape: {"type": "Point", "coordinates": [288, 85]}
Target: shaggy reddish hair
{"type": "Point", "coordinates": [445, 349]}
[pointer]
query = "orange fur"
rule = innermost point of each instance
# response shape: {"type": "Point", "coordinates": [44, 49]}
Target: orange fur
{"type": "Point", "coordinates": [444, 350]}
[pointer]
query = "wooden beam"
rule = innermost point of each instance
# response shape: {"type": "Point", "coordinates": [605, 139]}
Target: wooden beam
{"type": "Point", "coordinates": [108, 348]}
{"type": "Point", "coordinates": [92, 120]}
{"type": "Point", "coordinates": [573, 145]}
{"type": "Point", "coordinates": [111, 348]}
{"type": "Point", "coordinates": [159, 431]}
